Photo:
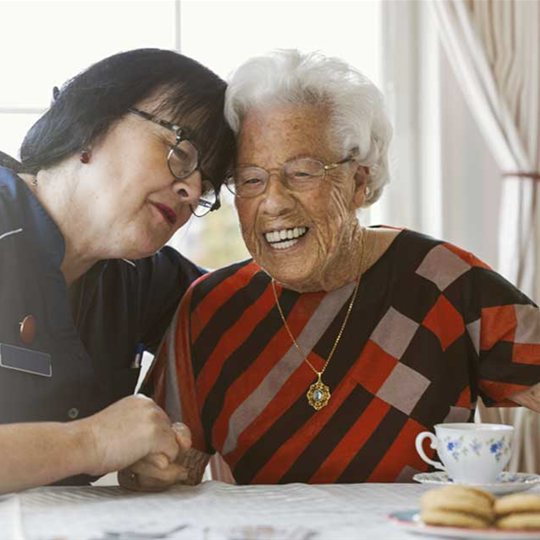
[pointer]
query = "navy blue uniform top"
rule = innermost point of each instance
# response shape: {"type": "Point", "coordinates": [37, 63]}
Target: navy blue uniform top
{"type": "Point", "coordinates": [91, 338]}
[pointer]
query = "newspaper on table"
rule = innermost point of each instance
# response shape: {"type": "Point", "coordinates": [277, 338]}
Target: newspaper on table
{"type": "Point", "coordinates": [210, 511]}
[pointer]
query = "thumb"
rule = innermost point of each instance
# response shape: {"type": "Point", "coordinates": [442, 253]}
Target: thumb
{"type": "Point", "coordinates": [161, 461]}
{"type": "Point", "coordinates": [183, 435]}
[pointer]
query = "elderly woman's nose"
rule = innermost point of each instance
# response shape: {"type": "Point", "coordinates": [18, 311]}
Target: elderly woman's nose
{"type": "Point", "coordinates": [277, 198]}
{"type": "Point", "coordinates": [189, 189]}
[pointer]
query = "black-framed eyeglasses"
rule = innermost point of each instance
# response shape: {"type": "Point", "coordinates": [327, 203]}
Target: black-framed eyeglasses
{"type": "Point", "coordinates": [183, 160]}
{"type": "Point", "coordinates": [299, 174]}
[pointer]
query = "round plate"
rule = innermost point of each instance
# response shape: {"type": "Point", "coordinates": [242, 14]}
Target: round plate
{"type": "Point", "coordinates": [506, 482]}
{"type": "Point", "coordinates": [410, 521]}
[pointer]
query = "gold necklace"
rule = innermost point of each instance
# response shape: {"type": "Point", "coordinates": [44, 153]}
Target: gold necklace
{"type": "Point", "coordinates": [319, 394]}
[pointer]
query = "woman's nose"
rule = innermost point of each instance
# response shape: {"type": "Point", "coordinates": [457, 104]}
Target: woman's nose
{"type": "Point", "coordinates": [277, 199]}
{"type": "Point", "coordinates": [189, 189]}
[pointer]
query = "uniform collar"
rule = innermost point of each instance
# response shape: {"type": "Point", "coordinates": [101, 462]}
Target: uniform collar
{"type": "Point", "coordinates": [37, 224]}
{"type": "Point", "coordinates": [40, 228]}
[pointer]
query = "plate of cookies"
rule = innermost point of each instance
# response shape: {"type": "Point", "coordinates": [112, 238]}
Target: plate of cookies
{"type": "Point", "coordinates": [467, 512]}
{"type": "Point", "coordinates": [506, 482]}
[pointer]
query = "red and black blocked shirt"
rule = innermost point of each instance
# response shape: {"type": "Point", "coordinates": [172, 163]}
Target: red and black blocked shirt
{"type": "Point", "coordinates": [432, 328]}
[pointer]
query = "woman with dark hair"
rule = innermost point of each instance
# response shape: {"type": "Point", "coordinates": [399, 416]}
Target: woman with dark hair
{"type": "Point", "coordinates": [128, 150]}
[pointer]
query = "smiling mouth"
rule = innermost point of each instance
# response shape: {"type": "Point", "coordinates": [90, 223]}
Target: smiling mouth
{"type": "Point", "coordinates": [285, 238]}
{"type": "Point", "coordinates": [168, 213]}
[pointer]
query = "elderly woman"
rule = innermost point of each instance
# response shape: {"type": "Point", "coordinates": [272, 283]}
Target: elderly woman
{"type": "Point", "coordinates": [127, 152]}
{"type": "Point", "coordinates": [321, 359]}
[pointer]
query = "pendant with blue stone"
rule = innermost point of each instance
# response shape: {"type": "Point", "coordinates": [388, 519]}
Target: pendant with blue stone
{"type": "Point", "coordinates": [318, 394]}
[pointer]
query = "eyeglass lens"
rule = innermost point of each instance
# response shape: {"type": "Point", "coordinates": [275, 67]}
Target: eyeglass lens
{"type": "Point", "coordinates": [300, 174]}
{"type": "Point", "coordinates": [207, 200]}
{"type": "Point", "coordinates": [183, 159]}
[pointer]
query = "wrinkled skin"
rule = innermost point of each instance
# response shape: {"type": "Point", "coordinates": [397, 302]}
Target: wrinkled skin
{"type": "Point", "coordinates": [329, 255]}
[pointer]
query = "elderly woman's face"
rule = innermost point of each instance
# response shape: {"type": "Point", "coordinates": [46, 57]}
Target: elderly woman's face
{"type": "Point", "coordinates": [320, 220]}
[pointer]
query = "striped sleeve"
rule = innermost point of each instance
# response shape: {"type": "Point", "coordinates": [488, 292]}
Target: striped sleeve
{"type": "Point", "coordinates": [173, 379]}
{"type": "Point", "coordinates": [508, 340]}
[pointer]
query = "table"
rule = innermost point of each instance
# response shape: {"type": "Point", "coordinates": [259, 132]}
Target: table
{"type": "Point", "coordinates": [210, 511]}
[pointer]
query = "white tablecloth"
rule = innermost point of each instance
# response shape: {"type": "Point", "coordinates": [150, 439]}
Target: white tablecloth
{"type": "Point", "coordinates": [211, 511]}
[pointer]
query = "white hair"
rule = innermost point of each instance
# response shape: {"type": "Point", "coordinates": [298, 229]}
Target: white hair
{"type": "Point", "coordinates": [289, 77]}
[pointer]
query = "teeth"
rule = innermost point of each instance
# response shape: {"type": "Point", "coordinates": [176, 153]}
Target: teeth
{"type": "Point", "coordinates": [284, 245]}
{"type": "Point", "coordinates": [285, 237]}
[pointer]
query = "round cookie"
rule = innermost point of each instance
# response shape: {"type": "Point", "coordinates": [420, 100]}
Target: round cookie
{"type": "Point", "coordinates": [460, 499]}
{"type": "Point", "coordinates": [518, 502]}
{"type": "Point", "coordinates": [463, 490]}
{"type": "Point", "coordinates": [520, 521]}
{"type": "Point", "coordinates": [477, 491]}
{"type": "Point", "coordinates": [453, 519]}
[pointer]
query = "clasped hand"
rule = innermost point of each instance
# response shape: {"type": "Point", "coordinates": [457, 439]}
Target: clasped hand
{"type": "Point", "coordinates": [136, 437]}
{"type": "Point", "coordinates": [157, 472]}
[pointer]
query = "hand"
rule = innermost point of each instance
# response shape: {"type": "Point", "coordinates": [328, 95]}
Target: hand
{"type": "Point", "coordinates": [156, 473]}
{"type": "Point", "coordinates": [126, 432]}
{"type": "Point", "coordinates": [529, 398]}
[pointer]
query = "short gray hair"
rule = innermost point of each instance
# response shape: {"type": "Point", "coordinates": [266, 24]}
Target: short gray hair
{"type": "Point", "coordinates": [289, 77]}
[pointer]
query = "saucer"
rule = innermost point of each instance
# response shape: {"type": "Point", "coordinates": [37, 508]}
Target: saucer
{"type": "Point", "coordinates": [409, 520]}
{"type": "Point", "coordinates": [506, 482]}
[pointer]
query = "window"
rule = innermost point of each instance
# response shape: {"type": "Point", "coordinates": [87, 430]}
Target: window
{"type": "Point", "coordinates": [75, 35]}
{"type": "Point", "coordinates": [221, 34]}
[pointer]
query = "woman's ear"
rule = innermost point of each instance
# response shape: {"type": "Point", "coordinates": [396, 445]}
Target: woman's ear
{"type": "Point", "coordinates": [360, 180]}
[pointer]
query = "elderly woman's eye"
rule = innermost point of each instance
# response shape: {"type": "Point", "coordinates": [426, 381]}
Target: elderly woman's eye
{"type": "Point", "coordinates": [301, 174]}
{"type": "Point", "coordinates": [248, 181]}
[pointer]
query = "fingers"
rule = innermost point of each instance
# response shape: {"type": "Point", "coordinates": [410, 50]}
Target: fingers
{"type": "Point", "coordinates": [183, 439]}
{"type": "Point", "coordinates": [144, 476]}
{"type": "Point", "coordinates": [171, 448]}
{"type": "Point", "coordinates": [128, 480]}
{"type": "Point", "coordinates": [148, 474]}
{"type": "Point", "coordinates": [131, 481]}
{"type": "Point", "coordinates": [159, 461]}
{"type": "Point", "coordinates": [166, 444]}
{"type": "Point", "coordinates": [130, 430]}
{"type": "Point", "coordinates": [157, 471]}
{"type": "Point", "coordinates": [183, 433]}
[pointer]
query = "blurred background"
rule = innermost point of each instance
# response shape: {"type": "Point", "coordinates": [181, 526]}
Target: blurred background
{"type": "Point", "coordinates": [444, 180]}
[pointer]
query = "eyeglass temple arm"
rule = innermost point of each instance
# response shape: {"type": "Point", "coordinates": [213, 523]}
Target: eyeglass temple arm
{"type": "Point", "coordinates": [152, 118]}
{"type": "Point", "coordinates": [334, 165]}
{"type": "Point", "coordinates": [207, 204]}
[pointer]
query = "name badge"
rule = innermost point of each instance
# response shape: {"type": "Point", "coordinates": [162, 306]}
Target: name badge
{"type": "Point", "coordinates": [35, 362]}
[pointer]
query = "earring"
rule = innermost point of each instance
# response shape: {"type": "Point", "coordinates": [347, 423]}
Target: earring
{"type": "Point", "coordinates": [85, 156]}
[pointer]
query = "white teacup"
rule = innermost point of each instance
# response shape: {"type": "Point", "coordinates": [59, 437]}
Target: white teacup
{"type": "Point", "coordinates": [470, 453]}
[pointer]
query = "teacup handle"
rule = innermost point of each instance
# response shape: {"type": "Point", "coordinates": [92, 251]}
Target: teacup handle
{"type": "Point", "coordinates": [419, 440]}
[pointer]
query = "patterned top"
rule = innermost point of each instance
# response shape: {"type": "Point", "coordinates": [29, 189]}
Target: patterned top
{"type": "Point", "coordinates": [432, 329]}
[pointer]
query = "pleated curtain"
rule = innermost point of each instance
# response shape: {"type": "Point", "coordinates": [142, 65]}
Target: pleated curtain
{"type": "Point", "coordinates": [494, 49]}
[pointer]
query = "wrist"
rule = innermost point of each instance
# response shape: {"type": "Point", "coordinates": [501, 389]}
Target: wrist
{"type": "Point", "coordinates": [83, 447]}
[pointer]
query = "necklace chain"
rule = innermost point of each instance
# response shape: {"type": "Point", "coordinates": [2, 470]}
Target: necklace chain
{"type": "Point", "coordinates": [313, 397]}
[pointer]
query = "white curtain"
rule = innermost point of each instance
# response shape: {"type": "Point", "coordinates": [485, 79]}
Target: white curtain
{"type": "Point", "coordinates": [494, 48]}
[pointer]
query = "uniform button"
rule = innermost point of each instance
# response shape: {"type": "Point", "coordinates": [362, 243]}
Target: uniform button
{"type": "Point", "coordinates": [28, 328]}
{"type": "Point", "coordinates": [73, 413]}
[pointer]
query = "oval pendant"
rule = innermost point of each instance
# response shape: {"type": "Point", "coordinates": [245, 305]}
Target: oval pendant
{"type": "Point", "coordinates": [318, 394]}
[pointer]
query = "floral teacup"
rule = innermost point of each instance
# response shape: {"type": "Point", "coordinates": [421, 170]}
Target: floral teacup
{"type": "Point", "coordinates": [470, 453]}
